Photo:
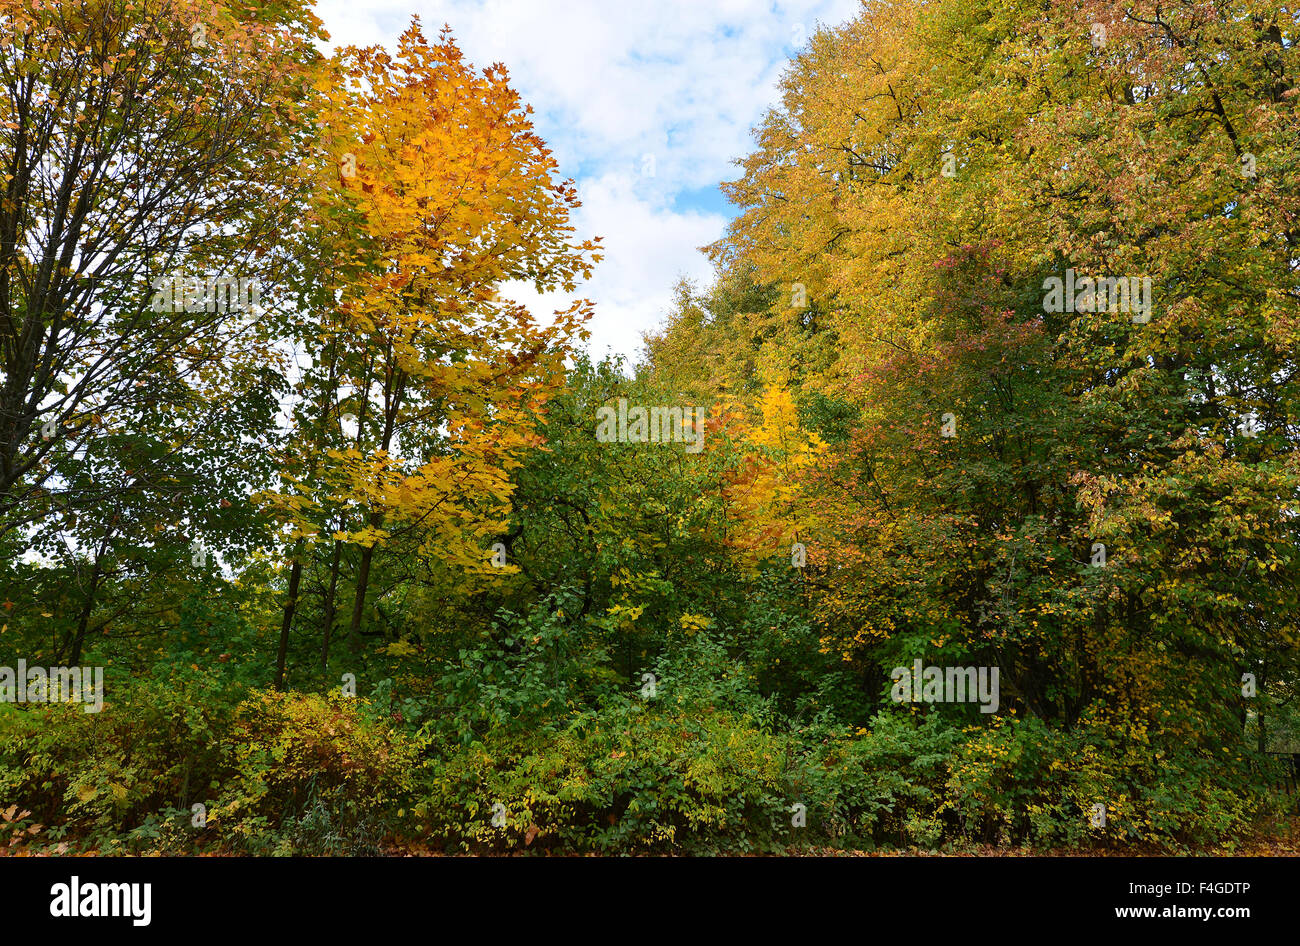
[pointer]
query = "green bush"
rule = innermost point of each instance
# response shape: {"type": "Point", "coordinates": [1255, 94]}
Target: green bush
{"type": "Point", "coordinates": [98, 777]}
{"type": "Point", "coordinates": [704, 765]}
{"type": "Point", "coordinates": [629, 777]}
{"type": "Point", "coordinates": [312, 775]}
{"type": "Point", "coordinates": [1020, 780]}
{"type": "Point", "coordinates": [277, 773]}
{"type": "Point", "coordinates": [872, 787]}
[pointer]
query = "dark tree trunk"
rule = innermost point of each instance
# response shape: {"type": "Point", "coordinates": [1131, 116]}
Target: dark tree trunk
{"type": "Point", "coordinates": [290, 606]}
{"type": "Point", "coordinates": [363, 579]}
{"type": "Point", "coordinates": [84, 618]}
{"type": "Point", "coordinates": [330, 607]}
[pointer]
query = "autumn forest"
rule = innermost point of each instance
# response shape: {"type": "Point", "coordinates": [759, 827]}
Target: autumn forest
{"type": "Point", "coordinates": [958, 512]}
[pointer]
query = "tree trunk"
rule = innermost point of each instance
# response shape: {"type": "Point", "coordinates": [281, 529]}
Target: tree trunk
{"type": "Point", "coordinates": [290, 606]}
{"type": "Point", "coordinates": [84, 618]}
{"type": "Point", "coordinates": [363, 579]}
{"type": "Point", "coordinates": [330, 609]}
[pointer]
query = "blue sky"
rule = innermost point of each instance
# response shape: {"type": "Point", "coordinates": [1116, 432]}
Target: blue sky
{"type": "Point", "coordinates": [645, 103]}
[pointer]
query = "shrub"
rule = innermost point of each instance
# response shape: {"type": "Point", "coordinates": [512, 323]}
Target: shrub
{"type": "Point", "coordinates": [1021, 780]}
{"type": "Point", "coordinates": [629, 777]}
{"type": "Point", "coordinates": [100, 776]}
{"type": "Point", "coordinates": [314, 774]}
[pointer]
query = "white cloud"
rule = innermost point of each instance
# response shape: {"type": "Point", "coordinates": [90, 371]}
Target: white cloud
{"type": "Point", "coordinates": [645, 249]}
{"type": "Point", "coordinates": [620, 87]}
